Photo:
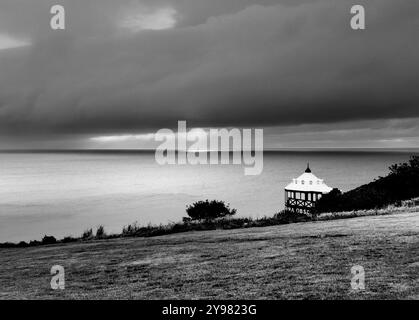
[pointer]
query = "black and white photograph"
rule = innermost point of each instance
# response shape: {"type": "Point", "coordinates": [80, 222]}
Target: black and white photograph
{"type": "Point", "coordinates": [231, 151]}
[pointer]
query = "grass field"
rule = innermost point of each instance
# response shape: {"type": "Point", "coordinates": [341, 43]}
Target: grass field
{"type": "Point", "coordinates": [309, 260]}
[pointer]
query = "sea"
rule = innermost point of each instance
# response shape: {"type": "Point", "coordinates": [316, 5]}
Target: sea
{"type": "Point", "coordinates": [63, 193]}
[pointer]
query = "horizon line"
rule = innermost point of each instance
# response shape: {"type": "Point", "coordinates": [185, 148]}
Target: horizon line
{"type": "Point", "coordinates": [146, 150]}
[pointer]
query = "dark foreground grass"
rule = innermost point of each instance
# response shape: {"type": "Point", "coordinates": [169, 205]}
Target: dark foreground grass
{"type": "Point", "coordinates": [301, 260]}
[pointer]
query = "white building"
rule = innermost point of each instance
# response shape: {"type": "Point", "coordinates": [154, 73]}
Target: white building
{"type": "Point", "coordinates": [303, 192]}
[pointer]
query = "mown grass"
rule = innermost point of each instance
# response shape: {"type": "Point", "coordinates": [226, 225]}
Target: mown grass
{"type": "Point", "coordinates": [309, 260]}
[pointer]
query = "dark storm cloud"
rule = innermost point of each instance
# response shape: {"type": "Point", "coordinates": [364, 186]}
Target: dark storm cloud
{"type": "Point", "coordinates": [225, 63]}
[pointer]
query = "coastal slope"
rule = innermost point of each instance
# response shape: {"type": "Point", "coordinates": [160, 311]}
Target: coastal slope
{"type": "Point", "coordinates": [295, 261]}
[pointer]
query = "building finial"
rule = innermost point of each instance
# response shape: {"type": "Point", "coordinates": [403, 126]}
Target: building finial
{"type": "Point", "coordinates": [308, 168]}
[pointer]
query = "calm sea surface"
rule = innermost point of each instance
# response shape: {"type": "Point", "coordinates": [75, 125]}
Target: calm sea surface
{"type": "Point", "coordinates": [62, 194]}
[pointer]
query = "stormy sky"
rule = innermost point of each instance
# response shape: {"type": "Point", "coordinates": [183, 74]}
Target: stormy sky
{"type": "Point", "coordinates": [124, 69]}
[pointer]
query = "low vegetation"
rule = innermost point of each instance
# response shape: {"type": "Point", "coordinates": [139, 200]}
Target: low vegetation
{"type": "Point", "coordinates": [284, 217]}
{"type": "Point", "coordinates": [224, 223]}
{"type": "Point", "coordinates": [100, 232]}
{"type": "Point", "coordinates": [87, 234]}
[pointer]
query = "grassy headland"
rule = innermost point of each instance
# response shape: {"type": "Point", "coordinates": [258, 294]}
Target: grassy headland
{"type": "Point", "coordinates": [301, 260]}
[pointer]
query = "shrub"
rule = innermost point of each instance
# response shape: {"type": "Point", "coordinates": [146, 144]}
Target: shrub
{"type": "Point", "coordinates": [68, 240]}
{"type": "Point", "coordinates": [186, 220]}
{"type": "Point", "coordinates": [130, 230]}
{"type": "Point", "coordinates": [7, 245]}
{"type": "Point", "coordinates": [87, 234]}
{"type": "Point", "coordinates": [209, 210]}
{"type": "Point", "coordinates": [287, 216]}
{"type": "Point", "coordinates": [328, 202]}
{"type": "Point", "coordinates": [22, 244]}
{"type": "Point", "coordinates": [34, 243]}
{"type": "Point", "coordinates": [48, 240]}
{"type": "Point", "coordinates": [100, 232]}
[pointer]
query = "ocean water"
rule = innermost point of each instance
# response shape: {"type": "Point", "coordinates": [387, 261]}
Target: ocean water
{"type": "Point", "coordinates": [62, 194]}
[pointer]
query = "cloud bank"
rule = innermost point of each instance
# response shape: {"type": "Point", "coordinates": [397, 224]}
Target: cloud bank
{"type": "Point", "coordinates": [211, 63]}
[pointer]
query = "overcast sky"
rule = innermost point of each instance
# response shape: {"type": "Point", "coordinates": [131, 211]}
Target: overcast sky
{"type": "Point", "coordinates": [124, 69]}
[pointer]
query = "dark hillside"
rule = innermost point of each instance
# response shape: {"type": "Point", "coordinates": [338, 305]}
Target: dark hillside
{"type": "Point", "coordinates": [402, 183]}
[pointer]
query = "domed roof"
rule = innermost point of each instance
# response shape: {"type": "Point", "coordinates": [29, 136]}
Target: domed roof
{"type": "Point", "coordinates": [308, 182]}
